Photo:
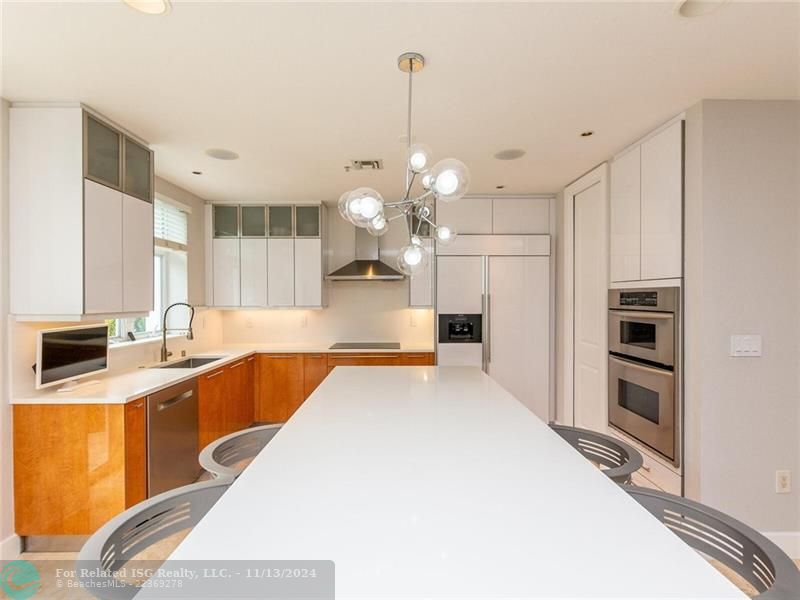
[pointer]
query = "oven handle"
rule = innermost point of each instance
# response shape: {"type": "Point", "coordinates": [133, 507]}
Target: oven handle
{"type": "Point", "coordinates": [642, 314]}
{"type": "Point", "coordinates": [640, 366]}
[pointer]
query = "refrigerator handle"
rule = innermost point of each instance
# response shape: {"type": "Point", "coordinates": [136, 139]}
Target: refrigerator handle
{"type": "Point", "coordinates": [487, 343]}
{"type": "Point", "coordinates": [484, 362]}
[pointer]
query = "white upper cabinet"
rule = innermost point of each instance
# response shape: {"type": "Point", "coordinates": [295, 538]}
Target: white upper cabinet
{"type": "Point", "coordinates": [467, 215]}
{"type": "Point", "coordinates": [265, 255]}
{"type": "Point", "coordinates": [625, 222]}
{"type": "Point", "coordinates": [647, 208]}
{"type": "Point", "coordinates": [102, 249]}
{"type": "Point", "coordinates": [280, 272]}
{"type": "Point", "coordinates": [520, 215]}
{"type": "Point", "coordinates": [226, 272]}
{"type": "Point", "coordinates": [307, 269]}
{"type": "Point", "coordinates": [80, 215]}
{"type": "Point", "coordinates": [137, 255]}
{"type": "Point", "coordinates": [662, 201]}
{"type": "Point", "coordinates": [253, 263]}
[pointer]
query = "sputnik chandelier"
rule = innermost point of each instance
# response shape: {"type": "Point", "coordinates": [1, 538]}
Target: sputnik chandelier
{"type": "Point", "coordinates": [447, 180]}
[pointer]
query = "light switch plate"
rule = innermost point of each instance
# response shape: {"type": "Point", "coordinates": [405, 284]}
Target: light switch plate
{"type": "Point", "coordinates": [746, 345]}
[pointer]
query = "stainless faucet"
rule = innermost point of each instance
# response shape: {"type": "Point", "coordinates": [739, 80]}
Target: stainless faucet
{"type": "Point", "coordinates": [189, 334]}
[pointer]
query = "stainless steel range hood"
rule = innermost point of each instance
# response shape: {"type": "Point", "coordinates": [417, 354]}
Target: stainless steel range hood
{"type": "Point", "coordinates": [367, 266]}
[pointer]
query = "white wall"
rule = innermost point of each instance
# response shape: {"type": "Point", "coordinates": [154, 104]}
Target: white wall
{"type": "Point", "coordinates": [742, 275]}
{"type": "Point", "coordinates": [9, 543]}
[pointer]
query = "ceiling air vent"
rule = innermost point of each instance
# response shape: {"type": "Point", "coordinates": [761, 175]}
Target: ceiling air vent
{"type": "Point", "coordinates": [375, 164]}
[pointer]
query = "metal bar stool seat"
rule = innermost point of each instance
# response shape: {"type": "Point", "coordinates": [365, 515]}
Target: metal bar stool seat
{"type": "Point", "coordinates": [223, 456]}
{"type": "Point", "coordinates": [620, 459]}
{"type": "Point", "coordinates": [138, 528]}
{"type": "Point", "coordinates": [741, 548]}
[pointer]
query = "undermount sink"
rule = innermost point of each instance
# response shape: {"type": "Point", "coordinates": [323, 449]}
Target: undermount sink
{"type": "Point", "coordinates": [189, 363]}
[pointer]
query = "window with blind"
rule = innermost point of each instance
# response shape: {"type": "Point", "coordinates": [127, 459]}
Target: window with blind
{"type": "Point", "coordinates": [171, 234]}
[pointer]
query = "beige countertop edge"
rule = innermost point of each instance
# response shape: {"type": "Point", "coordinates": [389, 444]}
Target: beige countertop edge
{"type": "Point", "coordinates": [136, 383]}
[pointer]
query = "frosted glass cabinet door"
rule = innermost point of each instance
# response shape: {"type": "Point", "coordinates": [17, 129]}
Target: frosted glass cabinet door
{"type": "Point", "coordinates": [102, 152]}
{"type": "Point", "coordinates": [280, 272]}
{"type": "Point", "coordinates": [308, 272]}
{"type": "Point", "coordinates": [137, 255]}
{"type": "Point", "coordinates": [102, 249]}
{"type": "Point", "coordinates": [281, 221]}
{"type": "Point", "coordinates": [138, 176]}
{"type": "Point", "coordinates": [226, 221]}
{"type": "Point", "coordinates": [226, 272]}
{"type": "Point", "coordinates": [254, 221]}
{"type": "Point", "coordinates": [662, 203]}
{"type": "Point", "coordinates": [254, 272]}
{"type": "Point", "coordinates": [307, 221]}
{"type": "Point", "coordinates": [625, 261]}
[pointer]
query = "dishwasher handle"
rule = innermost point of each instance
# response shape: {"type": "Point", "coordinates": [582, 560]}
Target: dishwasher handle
{"type": "Point", "coordinates": [173, 401]}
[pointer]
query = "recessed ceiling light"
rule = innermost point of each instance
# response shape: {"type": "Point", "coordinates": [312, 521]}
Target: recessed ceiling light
{"type": "Point", "coordinates": [697, 8]}
{"type": "Point", "coordinates": [587, 133]}
{"type": "Point", "coordinates": [197, 172]}
{"type": "Point", "coordinates": [500, 187]}
{"type": "Point", "coordinates": [510, 154]}
{"type": "Point", "coordinates": [149, 7]}
{"type": "Point", "coordinates": [222, 154]}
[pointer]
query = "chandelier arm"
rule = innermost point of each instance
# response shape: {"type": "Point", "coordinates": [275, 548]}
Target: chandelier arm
{"type": "Point", "coordinates": [427, 220]}
{"type": "Point", "coordinates": [409, 183]}
{"type": "Point", "coordinates": [427, 194]}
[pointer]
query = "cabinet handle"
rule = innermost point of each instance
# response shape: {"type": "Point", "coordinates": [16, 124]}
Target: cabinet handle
{"type": "Point", "coordinates": [645, 468]}
{"type": "Point", "coordinates": [316, 356]}
{"type": "Point", "coordinates": [139, 405]}
{"type": "Point", "coordinates": [214, 374]}
{"type": "Point", "coordinates": [408, 355]}
{"type": "Point", "coordinates": [366, 356]}
{"type": "Point", "coordinates": [239, 364]}
{"type": "Point", "coordinates": [281, 355]}
{"type": "Point", "coordinates": [251, 359]}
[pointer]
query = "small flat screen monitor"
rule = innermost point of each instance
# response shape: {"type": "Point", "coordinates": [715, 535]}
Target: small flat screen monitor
{"type": "Point", "coordinates": [70, 353]}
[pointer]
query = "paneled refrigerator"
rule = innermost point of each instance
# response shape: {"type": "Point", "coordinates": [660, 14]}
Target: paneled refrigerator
{"type": "Point", "coordinates": [493, 312]}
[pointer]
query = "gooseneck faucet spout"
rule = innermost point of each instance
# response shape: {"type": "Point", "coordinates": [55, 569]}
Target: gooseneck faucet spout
{"type": "Point", "coordinates": [189, 333]}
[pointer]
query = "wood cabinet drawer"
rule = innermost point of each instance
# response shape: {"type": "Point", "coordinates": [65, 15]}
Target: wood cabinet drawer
{"type": "Point", "coordinates": [359, 359]}
{"type": "Point", "coordinates": [417, 359]}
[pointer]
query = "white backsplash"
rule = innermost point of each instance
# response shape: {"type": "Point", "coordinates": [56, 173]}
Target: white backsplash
{"type": "Point", "coordinates": [358, 311]}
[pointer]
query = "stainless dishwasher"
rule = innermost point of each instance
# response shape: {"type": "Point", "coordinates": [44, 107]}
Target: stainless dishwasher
{"type": "Point", "coordinates": [172, 438]}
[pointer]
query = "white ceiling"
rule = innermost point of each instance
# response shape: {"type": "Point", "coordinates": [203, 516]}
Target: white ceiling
{"type": "Point", "coordinates": [299, 89]}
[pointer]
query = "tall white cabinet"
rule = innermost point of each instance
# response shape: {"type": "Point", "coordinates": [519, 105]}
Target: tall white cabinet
{"type": "Point", "coordinates": [80, 216]}
{"type": "Point", "coordinates": [265, 256]}
{"type": "Point", "coordinates": [646, 208]}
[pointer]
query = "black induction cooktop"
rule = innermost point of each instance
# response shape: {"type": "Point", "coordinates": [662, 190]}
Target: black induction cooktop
{"type": "Point", "coordinates": [366, 346]}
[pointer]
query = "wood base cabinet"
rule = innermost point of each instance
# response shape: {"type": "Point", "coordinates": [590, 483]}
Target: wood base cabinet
{"type": "Point", "coordinates": [279, 386]}
{"type": "Point", "coordinates": [315, 369]}
{"type": "Point", "coordinates": [77, 465]}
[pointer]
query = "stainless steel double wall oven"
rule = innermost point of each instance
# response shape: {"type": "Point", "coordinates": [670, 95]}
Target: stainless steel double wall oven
{"type": "Point", "coordinates": [644, 390]}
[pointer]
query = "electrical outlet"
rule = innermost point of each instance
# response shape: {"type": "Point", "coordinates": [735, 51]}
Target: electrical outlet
{"type": "Point", "coordinates": [783, 482]}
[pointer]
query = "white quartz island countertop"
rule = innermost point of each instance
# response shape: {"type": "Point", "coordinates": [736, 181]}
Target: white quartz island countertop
{"type": "Point", "coordinates": [434, 482]}
{"type": "Point", "coordinates": [130, 385]}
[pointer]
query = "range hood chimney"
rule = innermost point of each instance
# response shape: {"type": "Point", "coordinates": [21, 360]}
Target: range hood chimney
{"type": "Point", "coordinates": [367, 266]}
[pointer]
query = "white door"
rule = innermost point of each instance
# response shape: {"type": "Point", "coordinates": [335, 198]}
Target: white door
{"type": "Point", "coordinates": [280, 272]}
{"type": "Point", "coordinates": [518, 354]}
{"type": "Point", "coordinates": [308, 272]}
{"type": "Point", "coordinates": [459, 284]}
{"type": "Point", "coordinates": [625, 211]}
{"type": "Point", "coordinates": [591, 303]}
{"type": "Point", "coordinates": [420, 285]}
{"type": "Point", "coordinates": [662, 200]}
{"type": "Point", "coordinates": [102, 249]}
{"type": "Point", "coordinates": [137, 255]}
{"type": "Point", "coordinates": [254, 272]}
{"type": "Point", "coordinates": [468, 215]}
{"type": "Point", "coordinates": [227, 291]}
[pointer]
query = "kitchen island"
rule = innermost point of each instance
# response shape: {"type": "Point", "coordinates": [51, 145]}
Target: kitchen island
{"type": "Point", "coordinates": [435, 482]}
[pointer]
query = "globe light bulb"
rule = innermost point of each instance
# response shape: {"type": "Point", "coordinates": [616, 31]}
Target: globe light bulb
{"type": "Point", "coordinates": [419, 156]}
{"type": "Point", "coordinates": [445, 235]}
{"type": "Point", "coordinates": [411, 259]}
{"type": "Point", "coordinates": [426, 181]}
{"type": "Point", "coordinates": [378, 226]}
{"type": "Point", "coordinates": [416, 240]}
{"type": "Point", "coordinates": [342, 204]}
{"type": "Point", "coordinates": [363, 205]}
{"type": "Point", "coordinates": [413, 255]}
{"type": "Point", "coordinates": [449, 179]}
